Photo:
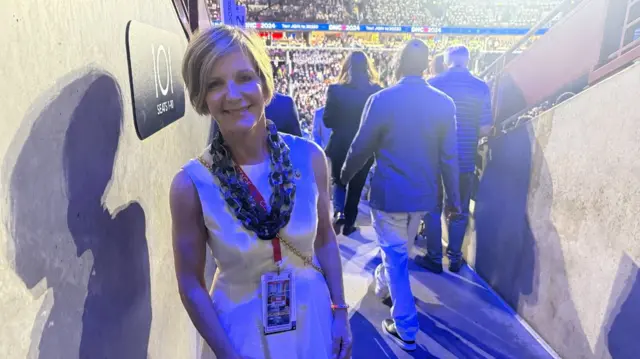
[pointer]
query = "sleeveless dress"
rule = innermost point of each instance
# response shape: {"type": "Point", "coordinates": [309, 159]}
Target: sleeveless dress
{"type": "Point", "coordinates": [242, 258]}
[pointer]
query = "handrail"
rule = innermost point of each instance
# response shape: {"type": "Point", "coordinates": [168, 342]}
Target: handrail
{"type": "Point", "coordinates": [503, 58]}
{"type": "Point", "coordinates": [183, 17]}
{"type": "Point", "coordinates": [627, 52]}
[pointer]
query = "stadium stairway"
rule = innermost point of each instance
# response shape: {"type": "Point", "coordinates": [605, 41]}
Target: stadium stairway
{"type": "Point", "coordinates": [460, 316]}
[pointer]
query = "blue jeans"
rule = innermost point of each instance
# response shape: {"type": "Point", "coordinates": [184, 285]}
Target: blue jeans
{"type": "Point", "coordinates": [457, 225]}
{"type": "Point", "coordinates": [395, 232]}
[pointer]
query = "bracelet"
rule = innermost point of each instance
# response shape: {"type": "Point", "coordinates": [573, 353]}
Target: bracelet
{"type": "Point", "coordinates": [339, 306]}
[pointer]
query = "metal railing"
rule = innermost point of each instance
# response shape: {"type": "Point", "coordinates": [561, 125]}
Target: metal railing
{"type": "Point", "coordinates": [494, 70]}
{"type": "Point", "coordinates": [498, 65]}
{"type": "Point", "coordinates": [628, 50]}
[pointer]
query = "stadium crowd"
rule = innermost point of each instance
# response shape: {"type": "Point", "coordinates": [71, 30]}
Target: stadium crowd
{"type": "Point", "coordinates": [305, 66]}
{"type": "Point", "coordinates": [306, 73]}
{"type": "Point", "coordinates": [304, 69]}
{"type": "Point", "coordinates": [435, 13]}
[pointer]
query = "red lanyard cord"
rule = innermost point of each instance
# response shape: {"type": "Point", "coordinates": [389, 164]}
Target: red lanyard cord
{"type": "Point", "coordinates": [253, 190]}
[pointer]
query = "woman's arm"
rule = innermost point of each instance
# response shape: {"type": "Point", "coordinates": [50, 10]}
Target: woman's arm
{"type": "Point", "coordinates": [326, 245]}
{"type": "Point", "coordinates": [326, 248]}
{"type": "Point", "coordinates": [189, 249]}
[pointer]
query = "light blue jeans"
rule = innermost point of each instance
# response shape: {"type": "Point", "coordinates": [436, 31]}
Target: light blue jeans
{"type": "Point", "coordinates": [396, 233]}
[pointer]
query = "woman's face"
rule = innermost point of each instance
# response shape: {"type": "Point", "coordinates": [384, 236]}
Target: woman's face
{"type": "Point", "coordinates": [235, 96]}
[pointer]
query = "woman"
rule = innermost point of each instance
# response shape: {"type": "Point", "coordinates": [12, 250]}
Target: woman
{"type": "Point", "coordinates": [357, 81]}
{"type": "Point", "coordinates": [270, 255]}
{"type": "Point", "coordinates": [410, 129]}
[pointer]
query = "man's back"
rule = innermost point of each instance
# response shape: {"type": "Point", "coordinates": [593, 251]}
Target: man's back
{"type": "Point", "coordinates": [473, 110]}
{"type": "Point", "coordinates": [411, 129]}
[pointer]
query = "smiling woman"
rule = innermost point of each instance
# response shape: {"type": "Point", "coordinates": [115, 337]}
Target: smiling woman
{"type": "Point", "coordinates": [259, 199]}
{"type": "Point", "coordinates": [236, 96]}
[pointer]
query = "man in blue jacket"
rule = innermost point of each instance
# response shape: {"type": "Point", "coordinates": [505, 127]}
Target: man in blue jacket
{"type": "Point", "coordinates": [410, 129]}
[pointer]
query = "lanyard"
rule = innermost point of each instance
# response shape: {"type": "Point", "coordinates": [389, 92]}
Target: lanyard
{"type": "Point", "coordinates": [277, 252]}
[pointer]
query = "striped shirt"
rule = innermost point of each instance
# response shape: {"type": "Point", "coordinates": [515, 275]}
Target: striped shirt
{"type": "Point", "coordinates": [473, 110]}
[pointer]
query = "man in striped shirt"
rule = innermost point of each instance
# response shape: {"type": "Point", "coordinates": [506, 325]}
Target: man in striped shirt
{"type": "Point", "coordinates": [472, 98]}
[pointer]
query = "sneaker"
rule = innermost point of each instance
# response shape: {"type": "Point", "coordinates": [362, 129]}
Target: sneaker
{"type": "Point", "coordinates": [456, 266]}
{"type": "Point", "coordinates": [429, 264]}
{"type": "Point", "coordinates": [381, 289]}
{"type": "Point", "coordinates": [389, 329]}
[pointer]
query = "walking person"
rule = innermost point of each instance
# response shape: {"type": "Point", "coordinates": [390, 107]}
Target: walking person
{"type": "Point", "coordinates": [410, 130]}
{"type": "Point", "coordinates": [357, 81]}
{"type": "Point", "coordinates": [472, 98]}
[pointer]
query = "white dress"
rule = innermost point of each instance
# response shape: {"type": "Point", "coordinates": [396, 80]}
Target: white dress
{"type": "Point", "coordinates": [242, 258]}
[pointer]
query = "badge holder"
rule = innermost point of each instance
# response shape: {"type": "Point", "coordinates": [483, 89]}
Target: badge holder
{"type": "Point", "coordinates": [278, 288]}
{"type": "Point", "coordinates": [278, 301]}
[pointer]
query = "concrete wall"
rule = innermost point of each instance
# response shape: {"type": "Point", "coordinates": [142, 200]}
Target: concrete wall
{"type": "Point", "coordinates": [557, 226]}
{"type": "Point", "coordinates": [86, 265]}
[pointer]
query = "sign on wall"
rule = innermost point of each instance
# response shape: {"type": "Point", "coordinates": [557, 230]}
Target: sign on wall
{"type": "Point", "coordinates": [154, 57]}
{"type": "Point", "coordinates": [232, 13]}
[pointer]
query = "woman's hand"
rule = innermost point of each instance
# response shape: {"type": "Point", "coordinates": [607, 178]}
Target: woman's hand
{"type": "Point", "coordinates": [341, 333]}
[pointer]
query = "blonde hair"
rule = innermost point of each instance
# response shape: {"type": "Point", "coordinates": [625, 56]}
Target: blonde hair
{"type": "Point", "coordinates": [357, 66]}
{"type": "Point", "coordinates": [210, 45]}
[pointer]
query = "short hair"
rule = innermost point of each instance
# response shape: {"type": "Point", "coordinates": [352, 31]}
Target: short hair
{"type": "Point", "coordinates": [437, 65]}
{"type": "Point", "coordinates": [210, 45]}
{"type": "Point", "coordinates": [457, 55]}
{"type": "Point", "coordinates": [413, 59]}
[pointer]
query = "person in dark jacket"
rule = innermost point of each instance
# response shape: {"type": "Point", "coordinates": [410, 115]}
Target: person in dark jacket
{"type": "Point", "coordinates": [474, 120]}
{"type": "Point", "coordinates": [357, 81]}
{"type": "Point", "coordinates": [283, 112]}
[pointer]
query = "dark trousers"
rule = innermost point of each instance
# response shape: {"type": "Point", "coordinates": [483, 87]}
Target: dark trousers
{"type": "Point", "coordinates": [347, 198]}
{"type": "Point", "coordinates": [457, 225]}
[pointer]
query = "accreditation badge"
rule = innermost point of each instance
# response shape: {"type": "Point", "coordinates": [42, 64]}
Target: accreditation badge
{"type": "Point", "coordinates": [278, 302]}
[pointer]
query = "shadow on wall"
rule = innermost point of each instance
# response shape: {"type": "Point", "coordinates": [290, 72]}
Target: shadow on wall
{"type": "Point", "coordinates": [514, 199]}
{"type": "Point", "coordinates": [95, 263]}
{"type": "Point", "coordinates": [510, 98]}
{"type": "Point", "coordinates": [506, 248]}
{"type": "Point", "coordinates": [619, 336]}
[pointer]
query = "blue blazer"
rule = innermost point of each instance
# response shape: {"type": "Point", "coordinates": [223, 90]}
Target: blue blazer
{"type": "Point", "coordinates": [410, 129]}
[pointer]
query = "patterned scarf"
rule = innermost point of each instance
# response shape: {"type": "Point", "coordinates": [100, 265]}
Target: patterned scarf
{"type": "Point", "coordinates": [236, 192]}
